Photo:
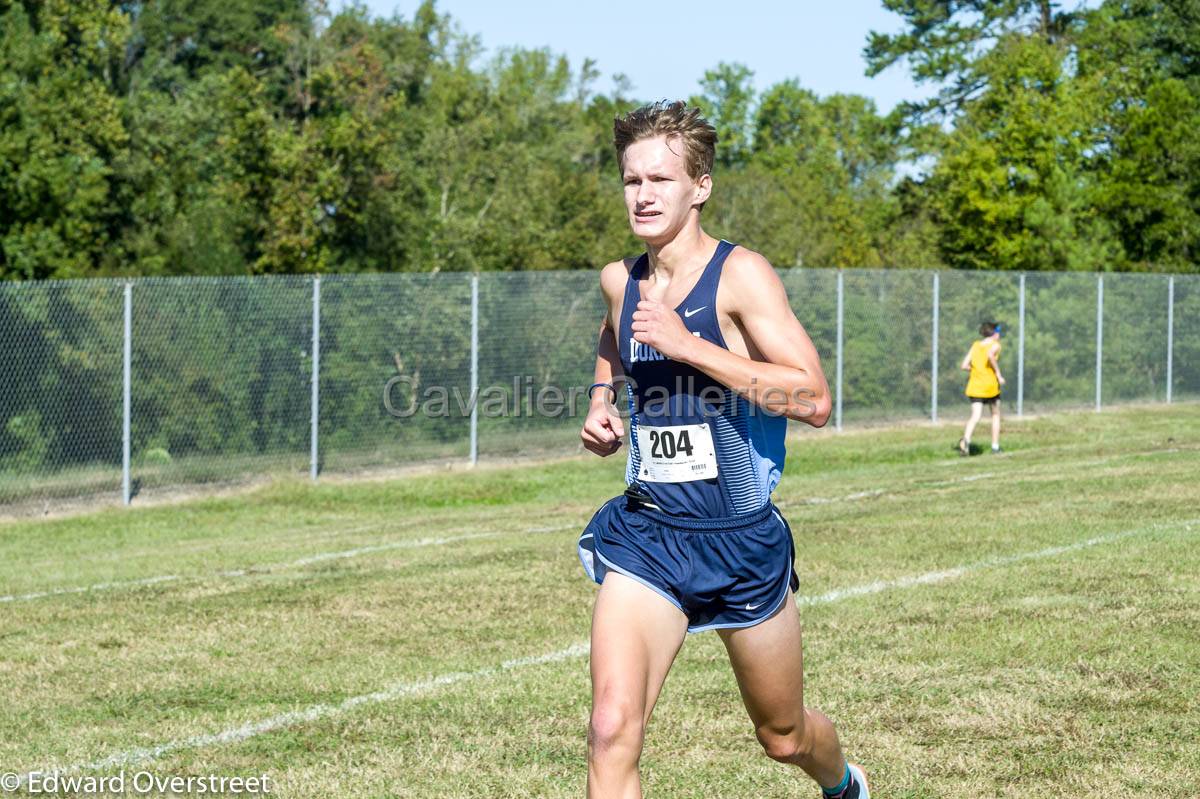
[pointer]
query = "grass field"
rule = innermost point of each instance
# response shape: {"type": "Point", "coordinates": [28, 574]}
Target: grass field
{"type": "Point", "coordinates": [1018, 625]}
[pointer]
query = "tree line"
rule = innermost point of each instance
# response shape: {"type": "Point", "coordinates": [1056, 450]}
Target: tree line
{"type": "Point", "coordinates": [221, 137]}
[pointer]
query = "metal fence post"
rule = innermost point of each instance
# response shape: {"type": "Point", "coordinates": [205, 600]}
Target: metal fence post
{"type": "Point", "coordinates": [1099, 336]}
{"type": "Point", "coordinates": [127, 395]}
{"type": "Point", "coordinates": [840, 329]}
{"type": "Point", "coordinates": [316, 377]}
{"type": "Point", "coordinates": [1170, 332]}
{"type": "Point", "coordinates": [1021, 348]}
{"type": "Point", "coordinates": [474, 395]}
{"type": "Point", "coordinates": [933, 394]}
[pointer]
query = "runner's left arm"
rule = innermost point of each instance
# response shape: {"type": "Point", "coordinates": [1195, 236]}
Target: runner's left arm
{"type": "Point", "coordinates": [993, 360]}
{"type": "Point", "coordinates": [787, 381]}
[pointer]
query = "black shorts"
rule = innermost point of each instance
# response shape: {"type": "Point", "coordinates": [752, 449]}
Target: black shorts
{"type": "Point", "coordinates": [985, 400]}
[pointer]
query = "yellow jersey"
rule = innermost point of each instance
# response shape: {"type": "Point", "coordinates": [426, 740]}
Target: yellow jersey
{"type": "Point", "coordinates": [983, 382]}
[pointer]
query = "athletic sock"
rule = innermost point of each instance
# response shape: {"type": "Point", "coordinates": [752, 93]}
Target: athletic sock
{"type": "Point", "coordinates": [846, 789]}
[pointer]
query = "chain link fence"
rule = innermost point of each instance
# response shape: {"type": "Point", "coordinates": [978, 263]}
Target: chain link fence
{"type": "Point", "coordinates": [121, 388]}
{"type": "Point", "coordinates": [60, 388]}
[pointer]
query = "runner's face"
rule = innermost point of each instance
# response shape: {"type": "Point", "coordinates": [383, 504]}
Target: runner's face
{"type": "Point", "coordinates": [659, 193]}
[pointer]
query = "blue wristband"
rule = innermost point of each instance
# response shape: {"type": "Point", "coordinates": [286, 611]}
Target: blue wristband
{"type": "Point", "coordinates": [609, 386]}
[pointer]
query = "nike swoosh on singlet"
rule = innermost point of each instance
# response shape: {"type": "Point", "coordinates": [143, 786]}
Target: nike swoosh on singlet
{"type": "Point", "coordinates": [689, 314]}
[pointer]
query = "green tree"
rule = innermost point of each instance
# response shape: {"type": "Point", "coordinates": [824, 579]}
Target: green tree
{"type": "Point", "coordinates": [1011, 188]}
{"type": "Point", "coordinates": [945, 42]}
{"type": "Point", "coordinates": [815, 191]}
{"type": "Point", "coordinates": [60, 132]}
{"type": "Point", "coordinates": [197, 181]}
{"type": "Point", "coordinates": [175, 42]}
{"type": "Point", "coordinates": [1142, 55]}
{"type": "Point", "coordinates": [727, 99]}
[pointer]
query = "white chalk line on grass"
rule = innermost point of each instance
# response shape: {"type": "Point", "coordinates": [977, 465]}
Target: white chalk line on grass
{"type": "Point", "coordinates": [317, 712]}
{"type": "Point", "coordinates": [352, 553]}
{"type": "Point", "coordinates": [871, 493]}
{"type": "Point", "coordinates": [83, 589]}
{"type": "Point", "coordinates": [309, 560]}
{"type": "Point", "coordinates": [874, 492]}
{"type": "Point", "coordinates": [322, 557]}
{"type": "Point", "coordinates": [578, 649]}
{"type": "Point", "coordinates": [929, 578]}
{"type": "Point", "coordinates": [970, 478]}
{"type": "Point", "coordinates": [162, 578]}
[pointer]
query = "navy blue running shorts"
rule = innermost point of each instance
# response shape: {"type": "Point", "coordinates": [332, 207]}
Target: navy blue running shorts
{"type": "Point", "coordinates": [731, 572]}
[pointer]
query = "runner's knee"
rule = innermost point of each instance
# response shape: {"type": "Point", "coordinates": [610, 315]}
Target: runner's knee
{"type": "Point", "coordinates": [786, 744]}
{"type": "Point", "coordinates": [615, 725]}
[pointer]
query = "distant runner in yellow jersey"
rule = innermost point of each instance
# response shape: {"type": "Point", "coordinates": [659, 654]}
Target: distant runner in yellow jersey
{"type": "Point", "coordinates": [983, 386]}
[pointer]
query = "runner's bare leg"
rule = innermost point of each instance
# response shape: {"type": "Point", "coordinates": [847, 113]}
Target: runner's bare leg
{"type": "Point", "coordinates": [769, 664]}
{"type": "Point", "coordinates": [636, 634]}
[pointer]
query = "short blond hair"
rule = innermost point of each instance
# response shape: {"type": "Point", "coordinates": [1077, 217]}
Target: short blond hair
{"type": "Point", "coordinates": [674, 120]}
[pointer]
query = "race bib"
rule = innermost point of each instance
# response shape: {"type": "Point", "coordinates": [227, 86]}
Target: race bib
{"type": "Point", "coordinates": [676, 454]}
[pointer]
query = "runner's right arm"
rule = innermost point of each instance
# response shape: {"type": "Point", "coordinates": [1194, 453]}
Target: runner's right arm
{"type": "Point", "coordinates": [603, 428]}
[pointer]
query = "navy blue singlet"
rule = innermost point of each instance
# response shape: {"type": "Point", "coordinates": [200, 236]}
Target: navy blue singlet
{"type": "Point", "coordinates": [748, 441]}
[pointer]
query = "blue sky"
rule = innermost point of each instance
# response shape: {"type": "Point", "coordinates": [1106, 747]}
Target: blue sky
{"type": "Point", "coordinates": [664, 49]}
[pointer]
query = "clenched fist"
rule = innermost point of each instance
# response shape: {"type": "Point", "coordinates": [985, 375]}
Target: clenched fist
{"type": "Point", "coordinates": [602, 429]}
{"type": "Point", "coordinates": [660, 327]}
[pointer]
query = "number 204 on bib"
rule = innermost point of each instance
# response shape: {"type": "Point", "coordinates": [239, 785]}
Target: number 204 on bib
{"type": "Point", "coordinates": [676, 454]}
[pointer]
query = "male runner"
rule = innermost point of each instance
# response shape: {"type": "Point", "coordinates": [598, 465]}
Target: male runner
{"type": "Point", "coordinates": [713, 360]}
